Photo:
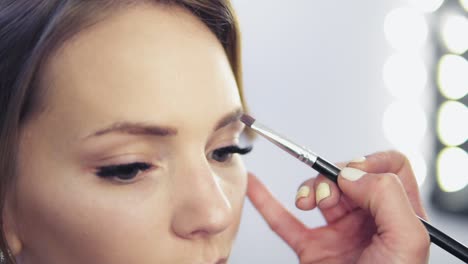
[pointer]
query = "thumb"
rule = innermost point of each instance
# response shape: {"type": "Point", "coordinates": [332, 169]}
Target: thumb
{"type": "Point", "coordinates": [384, 197]}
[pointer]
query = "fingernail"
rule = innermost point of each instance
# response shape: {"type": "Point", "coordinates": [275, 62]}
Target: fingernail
{"type": "Point", "coordinates": [358, 160]}
{"type": "Point", "coordinates": [303, 192]}
{"type": "Point", "coordinates": [322, 192]}
{"type": "Point", "coordinates": [352, 174]}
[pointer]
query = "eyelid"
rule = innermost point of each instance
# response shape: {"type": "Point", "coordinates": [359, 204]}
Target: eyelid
{"type": "Point", "coordinates": [125, 158]}
{"type": "Point", "coordinates": [234, 129]}
{"type": "Point", "coordinates": [126, 164]}
{"type": "Point", "coordinates": [224, 144]}
{"type": "Point", "coordinates": [112, 172]}
{"type": "Point", "coordinates": [122, 159]}
{"type": "Point", "coordinates": [238, 127]}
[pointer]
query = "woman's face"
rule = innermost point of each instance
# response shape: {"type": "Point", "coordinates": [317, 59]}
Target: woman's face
{"type": "Point", "coordinates": [127, 165]}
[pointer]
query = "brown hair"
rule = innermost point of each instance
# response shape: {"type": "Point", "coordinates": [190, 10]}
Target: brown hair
{"type": "Point", "coordinates": [31, 30]}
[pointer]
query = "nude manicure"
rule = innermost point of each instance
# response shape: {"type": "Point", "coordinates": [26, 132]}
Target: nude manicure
{"type": "Point", "coordinates": [303, 192]}
{"type": "Point", "coordinates": [352, 174]}
{"type": "Point", "coordinates": [322, 192]}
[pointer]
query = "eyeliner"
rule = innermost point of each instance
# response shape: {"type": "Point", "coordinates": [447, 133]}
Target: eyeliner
{"type": "Point", "coordinates": [331, 171]}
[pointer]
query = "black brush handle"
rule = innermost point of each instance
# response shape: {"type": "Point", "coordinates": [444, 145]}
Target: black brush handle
{"type": "Point", "coordinates": [447, 243]}
{"type": "Point", "coordinates": [438, 237]}
{"type": "Point", "coordinates": [327, 169]}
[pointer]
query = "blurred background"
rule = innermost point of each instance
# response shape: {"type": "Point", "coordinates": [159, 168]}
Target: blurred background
{"type": "Point", "coordinates": [348, 78]}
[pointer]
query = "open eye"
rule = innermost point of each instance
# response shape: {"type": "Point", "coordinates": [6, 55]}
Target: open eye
{"type": "Point", "coordinates": [225, 154]}
{"type": "Point", "coordinates": [123, 172]}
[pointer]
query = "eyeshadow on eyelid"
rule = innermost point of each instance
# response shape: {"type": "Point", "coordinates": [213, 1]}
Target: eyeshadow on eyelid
{"type": "Point", "coordinates": [236, 126]}
{"type": "Point", "coordinates": [98, 154]}
{"type": "Point", "coordinates": [113, 142]}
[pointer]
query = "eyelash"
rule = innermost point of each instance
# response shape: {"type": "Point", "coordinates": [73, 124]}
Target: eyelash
{"type": "Point", "coordinates": [227, 152]}
{"type": "Point", "coordinates": [127, 172]}
{"type": "Point", "coordinates": [123, 172]}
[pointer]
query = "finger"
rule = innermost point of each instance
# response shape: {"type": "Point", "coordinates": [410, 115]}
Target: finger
{"type": "Point", "coordinates": [305, 196]}
{"type": "Point", "coordinates": [318, 190]}
{"type": "Point", "coordinates": [280, 220]}
{"type": "Point", "coordinates": [396, 163]}
{"type": "Point", "coordinates": [327, 194]}
{"type": "Point", "coordinates": [385, 198]}
{"type": "Point", "coordinates": [333, 207]}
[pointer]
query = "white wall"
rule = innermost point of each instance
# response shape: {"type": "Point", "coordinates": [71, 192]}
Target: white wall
{"type": "Point", "coordinates": [313, 71]}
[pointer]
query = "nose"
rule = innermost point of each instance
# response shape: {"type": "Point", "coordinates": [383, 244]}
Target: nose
{"type": "Point", "coordinates": [202, 208]}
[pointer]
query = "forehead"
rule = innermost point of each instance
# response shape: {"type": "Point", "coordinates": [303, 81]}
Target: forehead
{"type": "Point", "coordinates": [150, 63]}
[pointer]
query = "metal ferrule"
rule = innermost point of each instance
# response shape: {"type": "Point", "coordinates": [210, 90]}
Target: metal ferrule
{"type": "Point", "coordinates": [299, 152]}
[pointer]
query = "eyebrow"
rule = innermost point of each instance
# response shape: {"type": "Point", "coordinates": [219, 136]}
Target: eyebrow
{"type": "Point", "coordinates": [139, 128]}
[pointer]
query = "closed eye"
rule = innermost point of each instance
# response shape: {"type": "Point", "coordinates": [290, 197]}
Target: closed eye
{"type": "Point", "coordinates": [128, 172]}
{"type": "Point", "coordinates": [123, 172]}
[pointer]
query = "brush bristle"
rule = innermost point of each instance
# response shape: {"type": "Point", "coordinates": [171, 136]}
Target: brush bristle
{"type": "Point", "coordinates": [247, 120]}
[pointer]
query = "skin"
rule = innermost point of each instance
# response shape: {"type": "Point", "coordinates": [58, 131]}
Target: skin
{"type": "Point", "coordinates": [186, 208]}
{"type": "Point", "coordinates": [377, 226]}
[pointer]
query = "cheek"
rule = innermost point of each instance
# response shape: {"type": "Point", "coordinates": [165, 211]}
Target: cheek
{"type": "Point", "coordinates": [238, 192]}
{"type": "Point", "coordinates": [234, 182]}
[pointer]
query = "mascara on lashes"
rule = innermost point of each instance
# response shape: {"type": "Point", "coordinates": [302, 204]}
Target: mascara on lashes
{"type": "Point", "coordinates": [130, 170]}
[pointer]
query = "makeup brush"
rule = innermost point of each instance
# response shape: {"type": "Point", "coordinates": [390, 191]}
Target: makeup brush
{"type": "Point", "coordinates": [331, 171]}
